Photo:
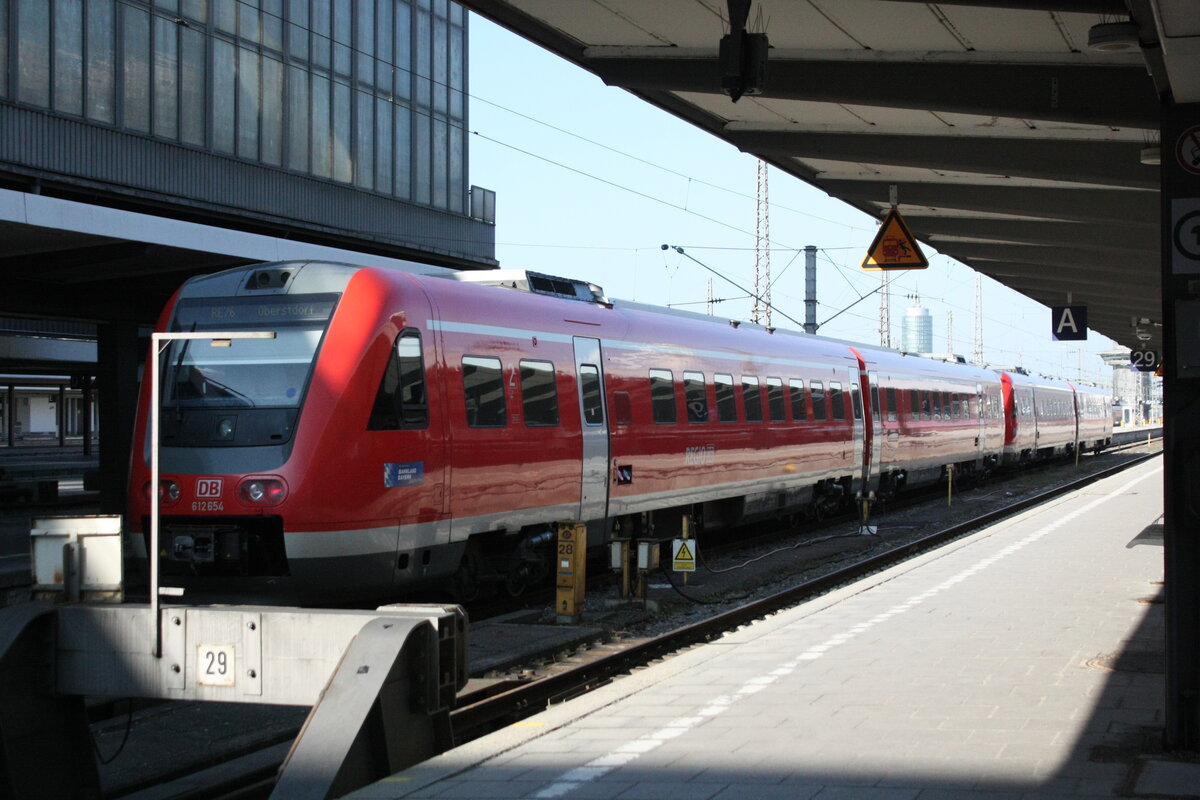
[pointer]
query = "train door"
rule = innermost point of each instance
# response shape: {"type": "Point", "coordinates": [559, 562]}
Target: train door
{"type": "Point", "coordinates": [874, 422]}
{"type": "Point", "coordinates": [589, 370]}
{"type": "Point", "coordinates": [981, 426]}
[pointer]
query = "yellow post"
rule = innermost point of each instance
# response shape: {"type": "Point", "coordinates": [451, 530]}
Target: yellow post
{"type": "Point", "coordinates": [949, 485]}
{"type": "Point", "coordinates": [571, 571]}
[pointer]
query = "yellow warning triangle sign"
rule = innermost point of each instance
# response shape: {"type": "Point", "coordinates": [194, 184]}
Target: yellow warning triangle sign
{"type": "Point", "coordinates": [894, 246]}
{"type": "Point", "coordinates": [684, 553]}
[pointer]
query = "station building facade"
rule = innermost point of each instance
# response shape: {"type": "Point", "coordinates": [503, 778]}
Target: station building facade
{"type": "Point", "coordinates": [144, 141]}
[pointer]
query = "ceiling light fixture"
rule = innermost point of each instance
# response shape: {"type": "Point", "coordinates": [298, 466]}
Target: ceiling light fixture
{"type": "Point", "coordinates": [1113, 37]}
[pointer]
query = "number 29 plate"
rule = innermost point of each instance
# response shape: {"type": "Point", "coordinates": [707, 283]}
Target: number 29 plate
{"type": "Point", "coordinates": [216, 665]}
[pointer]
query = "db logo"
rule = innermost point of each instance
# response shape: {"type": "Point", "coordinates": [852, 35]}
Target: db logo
{"type": "Point", "coordinates": [208, 487]}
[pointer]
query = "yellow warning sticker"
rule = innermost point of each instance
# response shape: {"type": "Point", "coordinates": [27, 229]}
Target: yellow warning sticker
{"type": "Point", "coordinates": [683, 558]}
{"type": "Point", "coordinates": [894, 246]}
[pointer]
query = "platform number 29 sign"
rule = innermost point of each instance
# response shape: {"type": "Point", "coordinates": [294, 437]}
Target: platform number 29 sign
{"type": "Point", "coordinates": [1144, 360]}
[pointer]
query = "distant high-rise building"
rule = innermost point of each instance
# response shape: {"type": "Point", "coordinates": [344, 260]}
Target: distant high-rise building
{"type": "Point", "coordinates": [916, 333]}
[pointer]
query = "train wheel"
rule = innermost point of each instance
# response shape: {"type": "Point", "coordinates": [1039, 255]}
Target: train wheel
{"type": "Point", "coordinates": [466, 579]}
{"type": "Point", "coordinates": [516, 583]}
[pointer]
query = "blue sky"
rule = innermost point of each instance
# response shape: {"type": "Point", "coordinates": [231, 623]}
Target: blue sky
{"type": "Point", "coordinates": [590, 181]}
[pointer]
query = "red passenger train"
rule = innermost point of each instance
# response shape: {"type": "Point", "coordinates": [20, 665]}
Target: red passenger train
{"type": "Point", "coordinates": [405, 429]}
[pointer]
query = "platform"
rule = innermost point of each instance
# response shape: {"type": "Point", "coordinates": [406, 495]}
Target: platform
{"type": "Point", "coordinates": [1024, 661]}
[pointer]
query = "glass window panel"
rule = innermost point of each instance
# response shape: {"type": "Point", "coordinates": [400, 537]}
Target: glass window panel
{"type": "Point", "coordinates": [137, 69]}
{"type": "Point", "coordinates": [422, 64]}
{"type": "Point", "coordinates": [914, 404]}
{"type": "Point", "coordinates": [272, 24]}
{"type": "Point", "coordinates": [403, 155]}
{"type": "Point", "coordinates": [422, 148]}
{"type": "Point", "coordinates": [249, 93]}
{"type": "Point", "coordinates": [776, 405]}
{"type": "Point", "coordinates": [322, 163]}
{"type": "Point", "coordinates": [403, 54]}
{"type": "Point", "coordinates": [752, 398]}
{"type": "Point", "coordinates": [726, 399]}
{"type": "Point", "coordinates": [385, 39]}
{"type": "Point", "coordinates": [591, 394]}
{"type": "Point", "coordinates": [695, 396]}
{"type": "Point", "coordinates": [322, 43]}
{"type": "Point", "coordinates": [166, 78]}
{"type": "Point", "coordinates": [196, 9]}
{"type": "Point", "coordinates": [458, 64]}
{"type": "Point", "coordinates": [343, 24]}
{"type": "Point", "coordinates": [441, 66]}
{"type": "Point", "coordinates": [191, 86]}
{"type": "Point", "coordinates": [457, 180]}
{"type": "Point", "coordinates": [272, 111]}
{"type": "Point", "coordinates": [33, 52]}
{"type": "Point", "coordinates": [343, 167]}
{"type": "Point", "coordinates": [249, 22]}
{"type": "Point", "coordinates": [856, 401]}
{"type": "Point", "coordinates": [298, 118]}
{"type": "Point", "coordinates": [364, 41]}
{"type": "Point", "coordinates": [799, 406]}
{"type": "Point", "coordinates": [167, 5]}
{"type": "Point", "coordinates": [662, 395]}
{"type": "Point", "coordinates": [441, 163]}
{"type": "Point", "coordinates": [820, 412]}
{"type": "Point", "coordinates": [539, 393]}
{"type": "Point", "coordinates": [101, 82]}
{"type": "Point", "coordinates": [364, 141]}
{"type": "Point", "coordinates": [838, 400]}
{"type": "Point", "coordinates": [68, 56]}
{"type": "Point", "coordinates": [891, 404]}
{"type": "Point", "coordinates": [401, 400]}
{"type": "Point", "coordinates": [297, 28]}
{"type": "Point", "coordinates": [383, 141]}
{"type": "Point", "coordinates": [224, 79]}
{"type": "Point", "coordinates": [224, 15]}
{"type": "Point", "coordinates": [483, 390]}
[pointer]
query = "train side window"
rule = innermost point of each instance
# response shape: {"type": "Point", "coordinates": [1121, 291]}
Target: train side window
{"type": "Point", "coordinates": [776, 405]}
{"type": "Point", "coordinates": [876, 406]}
{"type": "Point", "coordinates": [955, 406]}
{"type": "Point", "coordinates": [483, 389]}
{"type": "Point", "coordinates": [837, 400]}
{"type": "Point", "coordinates": [914, 404]}
{"type": "Point", "coordinates": [856, 401]}
{"type": "Point", "coordinates": [820, 412]}
{"type": "Point", "coordinates": [752, 398]}
{"type": "Point", "coordinates": [925, 410]}
{"type": "Point", "coordinates": [799, 404]}
{"type": "Point", "coordinates": [695, 396]}
{"type": "Point", "coordinates": [726, 399]}
{"type": "Point", "coordinates": [936, 397]}
{"type": "Point", "coordinates": [662, 395]}
{"type": "Point", "coordinates": [539, 393]}
{"type": "Point", "coordinates": [890, 393]}
{"type": "Point", "coordinates": [592, 395]}
{"type": "Point", "coordinates": [400, 401]}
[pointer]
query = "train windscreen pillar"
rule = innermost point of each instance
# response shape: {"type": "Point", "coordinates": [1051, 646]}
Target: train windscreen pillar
{"type": "Point", "coordinates": [570, 571]}
{"type": "Point", "coordinates": [1180, 197]}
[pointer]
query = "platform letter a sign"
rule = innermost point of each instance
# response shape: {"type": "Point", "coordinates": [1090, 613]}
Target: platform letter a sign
{"type": "Point", "coordinates": [1068, 323]}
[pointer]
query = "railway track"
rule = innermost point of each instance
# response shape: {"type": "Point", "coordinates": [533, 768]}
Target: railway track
{"type": "Point", "coordinates": [557, 678]}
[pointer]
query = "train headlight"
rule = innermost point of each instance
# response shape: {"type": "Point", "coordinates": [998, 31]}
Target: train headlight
{"type": "Point", "coordinates": [262, 491]}
{"type": "Point", "coordinates": [168, 491]}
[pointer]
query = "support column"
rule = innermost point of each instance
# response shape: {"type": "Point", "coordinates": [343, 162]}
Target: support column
{"type": "Point", "coordinates": [1181, 432]}
{"type": "Point", "coordinates": [119, 355]}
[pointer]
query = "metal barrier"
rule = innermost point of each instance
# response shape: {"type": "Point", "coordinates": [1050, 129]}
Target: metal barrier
{"type": "Point", "coordinates": [381, 684]}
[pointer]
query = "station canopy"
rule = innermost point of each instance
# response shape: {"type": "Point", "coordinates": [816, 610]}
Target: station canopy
{"type": "Point", "coordinates": [1022, 136]}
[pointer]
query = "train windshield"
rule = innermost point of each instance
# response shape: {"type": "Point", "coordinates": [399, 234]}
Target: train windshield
{"type": "Point", "coordinates": [245, 372]}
